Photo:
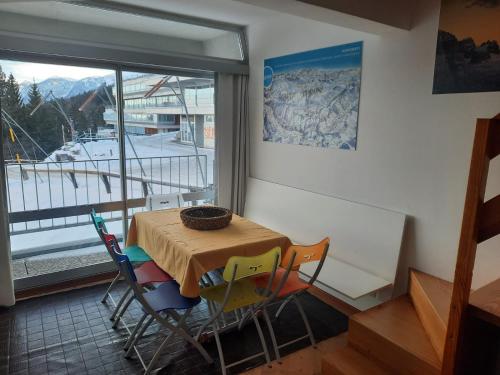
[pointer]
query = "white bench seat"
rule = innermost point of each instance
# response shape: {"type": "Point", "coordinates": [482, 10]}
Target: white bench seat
{"type": "Point", "coordinates": [362, 263]}
{"type": "Point", "coordinates": [346, 279]}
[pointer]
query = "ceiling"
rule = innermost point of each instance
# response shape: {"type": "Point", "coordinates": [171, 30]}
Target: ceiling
{"type": "Point", "coordinates": [239, 12]}
{"type": "Point", "coordinates": [221, 10]}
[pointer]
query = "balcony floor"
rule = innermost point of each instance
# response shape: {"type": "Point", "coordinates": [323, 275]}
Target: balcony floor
{"type": "Point", "coordinates": [61, 261]}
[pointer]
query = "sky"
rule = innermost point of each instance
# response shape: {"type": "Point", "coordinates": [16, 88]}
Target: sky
{"type": "Point", "coordinates": [23, 71]}
{"type": "Point", "coordinates": [476, 19]}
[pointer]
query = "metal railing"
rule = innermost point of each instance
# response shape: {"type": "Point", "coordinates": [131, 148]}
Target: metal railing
{"type": "Point", "coordinates": [49, 195]}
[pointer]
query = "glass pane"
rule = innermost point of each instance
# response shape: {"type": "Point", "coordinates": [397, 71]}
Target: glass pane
{"type": "Point", "coordinates": [170, 136]}
{"type": "Point", "coordinates": [60, 156]}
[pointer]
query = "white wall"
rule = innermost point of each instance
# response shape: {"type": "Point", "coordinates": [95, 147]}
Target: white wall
{"type": "Point", "coordinates": [413, 147]}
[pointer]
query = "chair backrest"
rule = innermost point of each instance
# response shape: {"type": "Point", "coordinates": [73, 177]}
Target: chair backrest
{"type": "Point", "coordinates": [296, 255]}
{"type": "Point", "coordinates": [99, 223]}
{"type": "Point", "coordinates": [113, 247]}
{"type": "Point", "coordinates": [164, 201]}
{"type": "Point", "coordinates": [126, 268]}
{"type": "Point", "coordinates": [239, 267]}
{"type": "Point", "coordinates": [305, 254]}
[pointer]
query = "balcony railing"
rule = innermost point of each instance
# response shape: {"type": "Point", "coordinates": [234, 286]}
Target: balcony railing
{"type": "Point", "coordinates": [49, 195]}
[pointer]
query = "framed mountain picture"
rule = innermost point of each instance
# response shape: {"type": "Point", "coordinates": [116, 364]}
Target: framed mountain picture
{"type": "Point", "coordinates": [467, 53]}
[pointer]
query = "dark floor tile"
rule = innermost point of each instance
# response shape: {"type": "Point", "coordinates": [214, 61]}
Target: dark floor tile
{"type": "Point", "coordinates": [70, 333]}
{"type": "Point", "coordinates": [51, 332]}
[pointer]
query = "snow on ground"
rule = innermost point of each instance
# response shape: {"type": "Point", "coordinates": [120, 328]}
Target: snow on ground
{"type": "Point", "coordinates": [165, 164]}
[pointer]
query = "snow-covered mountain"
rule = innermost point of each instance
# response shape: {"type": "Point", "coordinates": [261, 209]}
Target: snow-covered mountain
{"type": "Point", "coordinates": [89, 84]}
{"type": "Point", "coordinates": [59, 86]}
{"type": "Point", "coordinates": [67, 87]}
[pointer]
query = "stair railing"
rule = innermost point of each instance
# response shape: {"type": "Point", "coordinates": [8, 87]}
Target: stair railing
{"type": "Point", "coordinates": [481, 221]}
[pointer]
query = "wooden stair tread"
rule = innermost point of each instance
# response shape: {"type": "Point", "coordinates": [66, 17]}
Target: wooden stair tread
{"type": "Point", "coordinates": [431, 298]}
{"type": "Point", "coordinates": [438, 292]}
{"type": "Point", "coordinates": [485, 302]}
{"type": "Point", "coordinates": [397, 322]}
{"type": "Point", "coordinates": [348, 361]}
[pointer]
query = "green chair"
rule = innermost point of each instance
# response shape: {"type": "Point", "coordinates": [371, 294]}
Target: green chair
{"type": "Point", "coordinates": [134, 253]}
{"type": "Point", "coordinates": [238, 292]}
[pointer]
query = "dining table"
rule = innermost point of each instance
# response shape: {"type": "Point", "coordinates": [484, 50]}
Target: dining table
{"type": "Point", "coordinates": [187, 254]}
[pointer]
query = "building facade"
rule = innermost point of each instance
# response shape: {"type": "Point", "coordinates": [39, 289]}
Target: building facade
{"type": "Point", "coordinates": [152, 106]}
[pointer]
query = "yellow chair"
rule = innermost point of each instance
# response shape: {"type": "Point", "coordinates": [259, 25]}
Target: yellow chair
{"type": "Point", "coordinates": [237, 292]}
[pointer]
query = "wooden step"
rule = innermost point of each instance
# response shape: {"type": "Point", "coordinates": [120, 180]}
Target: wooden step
{"type": "Point", "coordinates": [349, 361]}
{"type": "Point", "coordinates": [431, 298]}
{"type": "Point", "coordinates": [485, 302]}
{"type": "Point", "coordinates": [306, 361]}
{"type": "Point", "coordinates": [393, 335]}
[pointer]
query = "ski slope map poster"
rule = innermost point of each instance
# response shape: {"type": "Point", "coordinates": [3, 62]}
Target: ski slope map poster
{"type": "Point", "coordinates": [312, 98]}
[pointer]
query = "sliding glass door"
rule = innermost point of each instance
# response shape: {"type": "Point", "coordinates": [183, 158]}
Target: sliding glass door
{"type": "Point", "coordinates": [61, 134]}
{"type": "Point", "coordinates": [169, 137]}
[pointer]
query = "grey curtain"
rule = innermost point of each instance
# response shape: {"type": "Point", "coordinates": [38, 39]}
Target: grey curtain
{"type": "Point", "coordinates": [232, 138]}
{"type": "Point", "coordinates": [6, 282]}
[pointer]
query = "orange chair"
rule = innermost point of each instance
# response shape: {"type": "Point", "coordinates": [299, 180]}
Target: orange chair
{"type": "Point", "coordinates": [287, 286]}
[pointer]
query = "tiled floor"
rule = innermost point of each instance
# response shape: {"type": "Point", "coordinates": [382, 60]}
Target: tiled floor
{"type": "Point", "coordinates": [70, 333]}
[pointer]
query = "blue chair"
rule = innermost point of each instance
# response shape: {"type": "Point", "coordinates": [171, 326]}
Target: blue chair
{"type": "Point", "coordinates": [159, 305]}
{"type": "Point", "coordinates": [148, 275]}
{"type": "Point", "coordinates": [135, 253]}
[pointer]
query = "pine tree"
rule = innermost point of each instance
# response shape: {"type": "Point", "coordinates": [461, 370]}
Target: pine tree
{"type": "Point", "coordinates": [42, 124]}
{"type": "Point", "coordinates": [12, 102]}
{"type": "Point", "coordinates": [3, 83]}
{"type": "Point", "coordinates": [34, 97]}
{"type": "Point", "coordinates": [34, 120]}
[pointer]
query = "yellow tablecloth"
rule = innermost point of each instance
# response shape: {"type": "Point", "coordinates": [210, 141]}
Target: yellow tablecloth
{"type": "Point", "coordinates": [187, 254]}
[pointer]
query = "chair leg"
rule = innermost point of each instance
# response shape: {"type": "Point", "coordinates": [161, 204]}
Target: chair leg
{"type": "Point", "coordinates": [273, 336]}
{"type": "Point", "coordinates": [261, 336]}
{"type": "Point", "coordinates": [120, 314]}
{"type": "Point", "coordinates": [136, 329]}
{"type": "Point", "coordinates": [184, 335]}
{"type": "Point", "coordinates": [306, 321]}
{"type": "Point", "coordinates": [115, 280]}
{"type": "Point", "coordinates": [207, 322]}
{"type": "Point", "coordinates": [157, 354]}
{"type": "Point", "coordinates": [282, 306]}
{"type": "Point", "coordinates": [137, 337]}
{"type": "Point", "coordinates": [120, 303]}
{"type": "Point", "coordinates": [209, 280]}
{"type": "Point", "coordinates": [243, 320]}
{"type": "Point", "coordinates": [215, 327]}
{"type": "Point", "coordinates": [178, 318]}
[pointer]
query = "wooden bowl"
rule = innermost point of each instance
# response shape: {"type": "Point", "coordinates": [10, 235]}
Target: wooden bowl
{"type": "Point", "coordinates": [206, 218]}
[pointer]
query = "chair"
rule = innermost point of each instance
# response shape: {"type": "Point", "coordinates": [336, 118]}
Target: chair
{"type": "Point", "coordinates": [159, 305]}
{"type": "Point", "coordinates": [135, 253]}
{"type": "Point", "coordinates": [148, 273]}
{"type": "Point", "coordinates": [163, 201]}
{"type": "Point", "coordinates": [286, 286]}
{"type": "Point", "coordinates": [239, 292]}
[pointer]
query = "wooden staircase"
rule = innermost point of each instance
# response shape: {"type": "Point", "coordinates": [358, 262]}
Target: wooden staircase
{"type": "Point", "coordinates": [393, 338]}
{"type": "Point", "coordinates": [425, 331]}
